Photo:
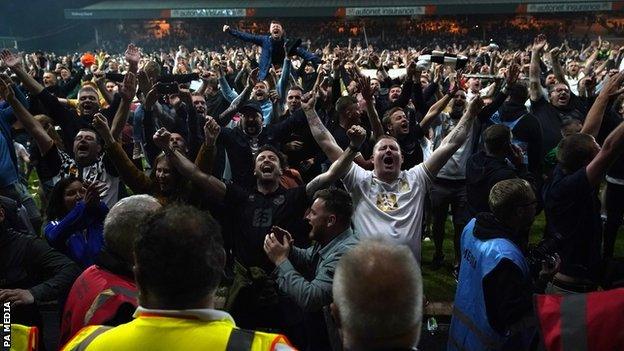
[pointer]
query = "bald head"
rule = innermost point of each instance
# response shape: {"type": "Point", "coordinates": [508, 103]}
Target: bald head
{"type": "Point", "coordinates": [378, 296]}
{"type": "Point", "coordinates": [122, 224]}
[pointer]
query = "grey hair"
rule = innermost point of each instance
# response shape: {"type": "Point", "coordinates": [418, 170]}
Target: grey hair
{"type": "Point", "coordinates": [122, 224]}
{"type": "Point", "coordinates": [377, 289]}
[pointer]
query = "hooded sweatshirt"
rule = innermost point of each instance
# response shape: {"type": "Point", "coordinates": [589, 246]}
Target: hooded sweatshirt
{"type": "Point", "coordinates": [482, 172]}
{"type": "Point", "coordinates": [507, 292]}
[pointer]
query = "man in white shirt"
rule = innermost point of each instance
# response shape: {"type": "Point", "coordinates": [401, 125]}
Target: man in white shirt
{"type": "Point", "coordinates": [389, 201]}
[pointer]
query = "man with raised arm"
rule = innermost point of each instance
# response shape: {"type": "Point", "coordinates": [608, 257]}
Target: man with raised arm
{"type": "Point", "coordinates": [272, 47]}
{"type": "Point", "coordinates": [255, 303]}
{"type": "Point", "coordinates": [571, 202]}
{"type": "Point", "coordinates": [386, 199]}
{"type": "Point", "coordinates": [559, 104]}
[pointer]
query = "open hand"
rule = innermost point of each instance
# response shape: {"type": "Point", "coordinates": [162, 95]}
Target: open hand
{"type": "Point", "coordinates": [128, 88]}
{"type": "Point", "coordinates": [10, 59]}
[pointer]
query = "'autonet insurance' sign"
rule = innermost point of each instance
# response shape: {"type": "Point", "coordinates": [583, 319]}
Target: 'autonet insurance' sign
{"type": "Point", "coordinates": [571, 7]}
{"type": "Point", "coordinates": [385, 11]}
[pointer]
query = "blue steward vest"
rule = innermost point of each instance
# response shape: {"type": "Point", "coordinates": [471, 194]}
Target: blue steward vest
{"type": "Point", "coordinates": [470, 328]}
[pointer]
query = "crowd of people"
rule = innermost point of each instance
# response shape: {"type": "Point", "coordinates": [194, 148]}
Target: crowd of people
{"type": "Point", "coordinates": [272, 195]}
{"type": "Point", "coordinates": [510, 30]}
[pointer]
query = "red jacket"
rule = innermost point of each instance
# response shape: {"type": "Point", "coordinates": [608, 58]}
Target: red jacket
{"type": "Point", "coordinates": [591, 321]}
{"type": "Point", "coordinates": [94, 299]}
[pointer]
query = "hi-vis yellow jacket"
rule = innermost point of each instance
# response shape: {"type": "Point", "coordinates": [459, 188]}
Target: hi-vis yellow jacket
{"type": "Point", "coordinates": [24, 338]}
{"type": "Point", "coordinates": [154, 331]}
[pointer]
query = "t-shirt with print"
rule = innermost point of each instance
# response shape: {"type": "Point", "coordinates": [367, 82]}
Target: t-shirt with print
{"type": "Point", "coordinates": [256, 213]}
{"type": "Point", "coordinates": [392, 210]}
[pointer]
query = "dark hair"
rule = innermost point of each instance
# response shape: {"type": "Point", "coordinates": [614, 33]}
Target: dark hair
{"type": "Point", "coordinates": [56, 203]}
{"type": "Point", "coordinates": [518, 93]}
{"type": "Point", "coordinates": [496, 138]}
{"type": "Point", "coordinates": [575, 151]}
{"type": "Point", "coordinates": [395, 86]}
{"type": "Point", "coordinates": [276, 22]}
{"type": "Point", "coordinates": [386, 117]}
{"type": "Point", "coordinates": [98, 138]}
{"type": "Point", "coordinates": [338, 202]}
{"type": "Point", "coordinates": [179, 181]}
{"type": "Point", "coordinates": [273, 149]}
{"type": "Point", "coordinates": [344, 102]}
{"type": "Point", "coordinates": [179, 256]}
{"type": "Point", "coordinates": [296, 87]}
{"type": "Point", "coordinates": [212, 82]}
{"type": "Point", "coordinates": [568, 121]}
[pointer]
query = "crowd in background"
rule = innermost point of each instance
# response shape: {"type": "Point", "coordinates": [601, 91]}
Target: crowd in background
{"type": "Point", "coordinates": [312, 162]}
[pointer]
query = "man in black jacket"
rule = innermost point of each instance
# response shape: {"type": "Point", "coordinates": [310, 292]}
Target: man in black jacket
{"type": "Point", "coordinates": [499, 160]}
{"type": "Point", "coordinates": [31, 272]}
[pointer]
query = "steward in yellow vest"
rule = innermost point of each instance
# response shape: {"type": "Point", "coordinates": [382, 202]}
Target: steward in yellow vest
{"type": "Point", "coordinates": [178, 264]}
{"type": "Point", "coordinates": [204, 329]}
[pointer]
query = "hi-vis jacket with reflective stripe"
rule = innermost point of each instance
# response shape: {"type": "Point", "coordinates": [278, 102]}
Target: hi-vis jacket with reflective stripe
{"type": "Point", "coordinates": [582, 322]}
{"type": "Point", "coordinates": [24, 338]}
{"type": "Point", "coordinates": [156, 332]}
{"type": "Point", "coordinates": [470, 328]}
{"type": "Point", "coordinates": [95, 298]}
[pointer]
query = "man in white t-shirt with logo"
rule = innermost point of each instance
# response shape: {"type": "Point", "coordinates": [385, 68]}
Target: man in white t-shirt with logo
{"type": "Point", "coordinates": [389, 201]}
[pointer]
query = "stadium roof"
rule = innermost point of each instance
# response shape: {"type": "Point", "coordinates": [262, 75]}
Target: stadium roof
{"type": "Point", "coordinates": [327, 8]}
{"type": "Point", "coordinates": [221, 4]}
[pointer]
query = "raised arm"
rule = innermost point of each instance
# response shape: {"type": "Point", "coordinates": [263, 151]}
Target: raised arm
{"type": "Point", "coordinates": [282, 83]}
{"type": "Point", "coordinates": [455, 139]}
{"type": "Point", "coordinates": [100, 82]}
{"type": "Point", "coordinates": [611, 89]}
{"type": "Point", "coordinates": [342, 165]}
{"type": "Point", "coordinates": [207, 151]}
{"type": "Point", "coordinates": [323, 137]}
{"type": "Point", "coordinates": [134, 178]}
{"type": "Point", "coordinates": [212, 186]}
{"type": "Point", "coordinates": [34, 128]}
{"type": "Point", "coordinates": [440, 105]}
{"type": "Point", "coordinates": [226, 116]}
{"type": "Point", "coordinates": [373, 116]}
{"type": "Point", "coordinates": [535, 85]}
{"type": "Point", "coordinates": [612, 148]}
{"type": "Point", "coordinates": [435, 109]}
{"type": "Point", "coordinates": [127, 92]}
{"type": "Point", "coordinates": [589, 64]}
{"type": "Point", "coordinates": [15, 64]}
{"type": "Point", "coordinates": [250, 38]}
{"type": "Point", "coordinates": [556, 66]}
